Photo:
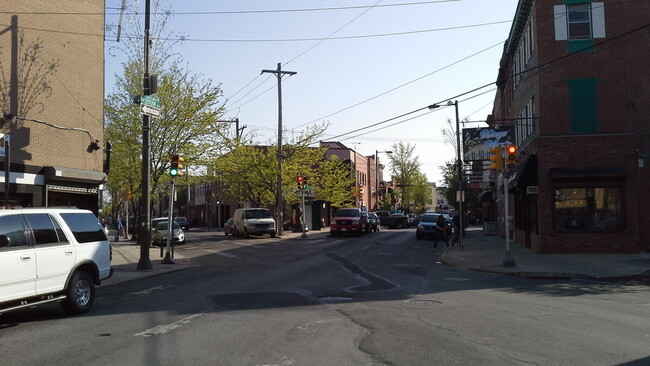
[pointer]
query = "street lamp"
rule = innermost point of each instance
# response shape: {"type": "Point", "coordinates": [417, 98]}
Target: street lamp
{"type": "Point", "coordinates": [377, 175]}
{"type": "Point", "coordinates": [460, 192]}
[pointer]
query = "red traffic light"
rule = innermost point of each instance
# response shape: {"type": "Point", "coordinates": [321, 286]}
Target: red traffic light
{"type": "Point", "coordinates": [512, 149]}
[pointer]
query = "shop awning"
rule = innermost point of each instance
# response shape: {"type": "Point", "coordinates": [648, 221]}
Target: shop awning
{"type": "Point", "coordinates": [526, 173]}
{"type": "Point", "coordinates": [74, 175]}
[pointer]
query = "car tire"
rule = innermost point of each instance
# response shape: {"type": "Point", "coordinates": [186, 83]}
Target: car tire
{"type": "Point", "coordinates": [80, 293]}
{"type": "Point", "coordinates": [332, 234]}
{"type": "Point", "coordinates": [273, 234]}
{"type": "Point", "coordinates": [246, 234]}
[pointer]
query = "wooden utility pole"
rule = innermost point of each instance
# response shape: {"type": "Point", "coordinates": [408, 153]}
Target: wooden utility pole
{"type": "Point", "coordinates": [279, 199]}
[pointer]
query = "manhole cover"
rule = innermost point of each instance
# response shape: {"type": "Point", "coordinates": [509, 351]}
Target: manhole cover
{"type": "Point", "coordinates": [422, 302]}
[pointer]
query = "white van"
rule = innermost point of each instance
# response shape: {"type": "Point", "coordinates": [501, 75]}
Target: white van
{"type": "Point", "coordinates": [254, 221]}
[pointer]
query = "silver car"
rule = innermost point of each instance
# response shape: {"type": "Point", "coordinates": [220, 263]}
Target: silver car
{"type": "Point", "coordinates": [159, 233]}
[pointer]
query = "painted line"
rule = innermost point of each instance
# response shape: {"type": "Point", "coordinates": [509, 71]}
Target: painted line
{"type": "Point", "coordinates": [162, 329]}
{"type": "Point", "coordinates": [227, 255]}
{"type": "Point", "coordinates": [150, 290]}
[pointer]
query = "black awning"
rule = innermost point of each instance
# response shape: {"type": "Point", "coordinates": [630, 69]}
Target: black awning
{"type": "Point", "coordinates": [74, 175]}
{"type": "Point", "coordinates": [581, 173]}
{"type": "Point", "coordinates": [526, 173]}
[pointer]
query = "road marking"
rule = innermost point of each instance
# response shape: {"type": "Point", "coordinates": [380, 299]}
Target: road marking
{"type": "Point", "coordinates": [227, 255]}
{"type": "Point", "coordinates": [456, 279]}
{"type": "Point", "coordinates": [162, 329]}
{"type": "Point", "coordinates": [150, 290]}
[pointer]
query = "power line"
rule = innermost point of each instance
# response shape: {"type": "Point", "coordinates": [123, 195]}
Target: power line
{"type": "Point", "coordinates": [237, 11]}
{"type": "Point", "coordinates": [505, 78]}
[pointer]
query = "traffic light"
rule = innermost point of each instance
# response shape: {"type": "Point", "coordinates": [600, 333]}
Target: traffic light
{"type": "Point", "coordinates": [496, 158]}
{"type": "Point", "coordinates": [511, 157]}
{"type": "Point", "coordinates": [304, 183]}
{"type": "Point", "coordinates": [300, 181]}
{"type": "Point", "coordinates": [176, 168]}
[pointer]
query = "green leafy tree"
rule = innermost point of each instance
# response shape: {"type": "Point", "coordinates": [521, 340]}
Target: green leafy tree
{"type": "Point", "coordinates": [249, 173]}
{"type": "Point", "coordinates": [405, 168]}
{"type": "Point", "coordinates": [189, 123]}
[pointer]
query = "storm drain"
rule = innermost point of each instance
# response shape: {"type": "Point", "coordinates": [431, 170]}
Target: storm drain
{"type": "Point", "coordinates": [422, 302]}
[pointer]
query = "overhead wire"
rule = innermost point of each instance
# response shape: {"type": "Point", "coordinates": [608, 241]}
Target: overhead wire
{"type": "Point", "coordinates": [535, 68]}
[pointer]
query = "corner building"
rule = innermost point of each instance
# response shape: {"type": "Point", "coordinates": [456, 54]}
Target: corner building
{"type": "Point", "coordinates": [574, 82]}
{"type": "Point", "coordinates": [52, 72]}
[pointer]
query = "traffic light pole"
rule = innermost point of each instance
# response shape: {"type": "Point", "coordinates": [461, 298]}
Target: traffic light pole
{"type": "Point", "coordinates": [170, 228]}
{"type": "Point", "coordinates": [508, 260]}
{"type": "Point", "coordinates": [302, 217]}
{"type": "Point", "coordinates": [144, 235]}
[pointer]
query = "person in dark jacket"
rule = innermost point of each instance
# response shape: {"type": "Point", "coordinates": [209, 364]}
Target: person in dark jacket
{"type": "Point", "coordinates": [456, 221]}
{"type": "Point", "coordinates": [441, 227]}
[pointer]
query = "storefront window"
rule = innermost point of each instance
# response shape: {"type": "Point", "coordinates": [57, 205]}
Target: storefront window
{"type": "Point", "coordinates": [588, 209]}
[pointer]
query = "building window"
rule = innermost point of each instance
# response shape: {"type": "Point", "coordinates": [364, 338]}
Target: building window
{"type": "Point", "coordinates": [579, 21]}
{"type": "Point", "coordinates": [588, 209]}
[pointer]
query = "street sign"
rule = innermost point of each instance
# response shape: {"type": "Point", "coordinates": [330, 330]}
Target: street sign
{"type": "Point", "coordinates": [153, 112]}
{"type": "Point", "coordinates": [151, 101]}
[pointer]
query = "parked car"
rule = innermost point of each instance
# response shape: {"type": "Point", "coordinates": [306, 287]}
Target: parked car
{"type": "Point", "coordinates": [51, 255]}
{"type": "Point", "coordinates": [183, 222]}
{"type": "Point", "coordinates": [229, 227]}
{"type": "Point", "coordinates": [427, 225]}
{"type": "Point", "coordinates": [160, 230]}
{"type": "Point", "coordinates": [349, 220]}
{"type": "Point", "coordinates": [254, 221]}
{"type": "Point", "coordinates": [392, 220]}
{"type": "Point", "coordinates": [373, 222]}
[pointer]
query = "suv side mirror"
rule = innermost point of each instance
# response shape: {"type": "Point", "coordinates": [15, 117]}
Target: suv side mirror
{"type": "Point", "coordinates": [5, 241]}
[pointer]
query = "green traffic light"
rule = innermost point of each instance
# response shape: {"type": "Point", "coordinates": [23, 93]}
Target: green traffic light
{"type": "Point", "coordinates": [173, 172]}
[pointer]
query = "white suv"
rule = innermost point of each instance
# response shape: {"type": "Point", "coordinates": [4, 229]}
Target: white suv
{"type": "Point", "coordinates": [51, 255]}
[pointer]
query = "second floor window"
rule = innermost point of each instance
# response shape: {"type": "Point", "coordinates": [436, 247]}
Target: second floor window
{"type": "Point", "coordinates": [579, 21]}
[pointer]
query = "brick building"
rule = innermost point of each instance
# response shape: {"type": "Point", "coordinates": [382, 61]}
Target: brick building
{"type": "Point", "coordinates": [52, 79]}
{"type": "Point", "coordinates": [574, 82]}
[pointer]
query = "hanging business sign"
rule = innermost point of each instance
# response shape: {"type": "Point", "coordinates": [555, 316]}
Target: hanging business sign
{"type": "Point", "coordinates": [4, 142]}
{"type": "Point", "coordinates": [477, 142]}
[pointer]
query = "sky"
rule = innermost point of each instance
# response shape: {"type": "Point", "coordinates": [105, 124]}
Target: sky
{"type": "Point", "coordinates": [367, 65]}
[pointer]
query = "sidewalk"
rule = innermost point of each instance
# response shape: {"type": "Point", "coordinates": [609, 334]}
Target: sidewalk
{"type": "Point", "coordinates": [486, 253]}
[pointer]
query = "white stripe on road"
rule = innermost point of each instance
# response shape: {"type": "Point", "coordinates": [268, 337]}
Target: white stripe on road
{"type": "Point", "coordinates": [227, 255]}
{"type": "Point", "coordinates": [150, 290]}
{"type": "Point", "coordinates": [162, 329]}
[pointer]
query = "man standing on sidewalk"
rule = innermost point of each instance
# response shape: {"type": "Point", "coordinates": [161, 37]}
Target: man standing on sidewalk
{"type": "Point", "coordinates": [441, 231]}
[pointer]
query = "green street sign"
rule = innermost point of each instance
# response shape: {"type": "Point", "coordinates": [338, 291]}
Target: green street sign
{"type": "Point", "coordinates": [151, 101]}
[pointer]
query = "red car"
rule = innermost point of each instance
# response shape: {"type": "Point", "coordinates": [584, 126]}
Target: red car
{"type": "Point", "coordinates": [229, 228]}
{"type": "Point", "coordinates": [349, 220]}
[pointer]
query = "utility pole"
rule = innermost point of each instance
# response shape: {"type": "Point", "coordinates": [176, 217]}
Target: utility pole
{"type": "Point", "coordinates": [279, 199]}
{"type": "Point", "coordinates": [145, 201]}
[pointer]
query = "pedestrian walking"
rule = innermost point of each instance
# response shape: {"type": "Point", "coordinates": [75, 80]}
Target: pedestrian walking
{"type": "Point", "coordinates": [441, 228]}
{"type": "Point", "coordinates": [118, 229]}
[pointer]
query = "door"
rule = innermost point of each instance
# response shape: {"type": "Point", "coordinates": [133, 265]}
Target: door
{"type": "Point", "coordinates": [17, 260]}
{"type": "Point", "coordinates": [55, 253]}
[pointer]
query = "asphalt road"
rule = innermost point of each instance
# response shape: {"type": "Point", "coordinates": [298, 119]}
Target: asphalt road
{"type": "Point", "coordinates": [380, 299]}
